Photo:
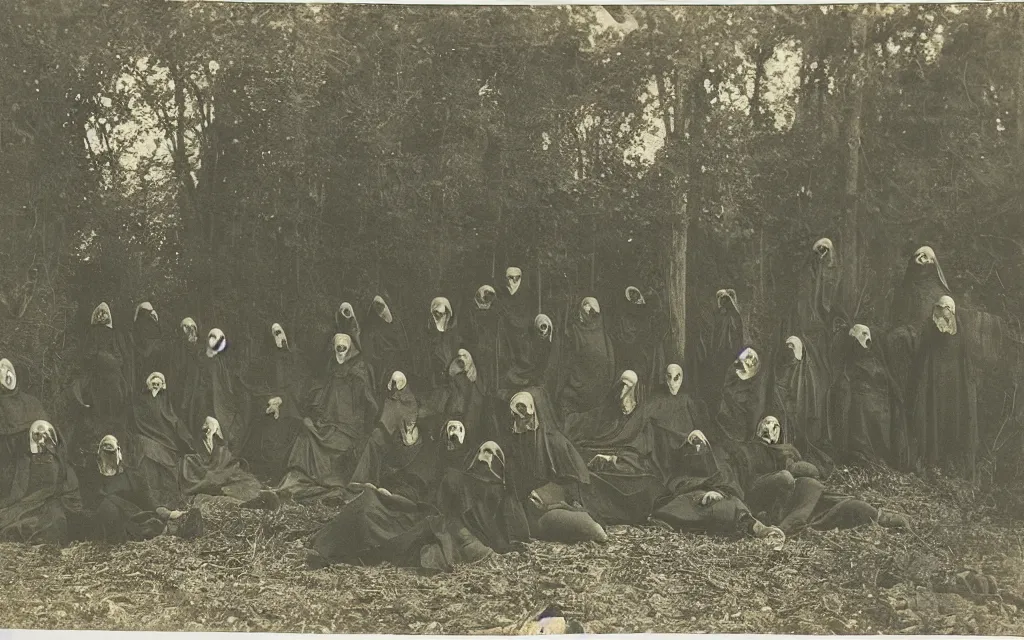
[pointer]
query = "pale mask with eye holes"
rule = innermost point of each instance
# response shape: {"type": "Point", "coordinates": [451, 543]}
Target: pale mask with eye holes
{"type": "Point", "coordinates": [924, 255]}
{"type": "Point", "coordinates": [589, 308]}
{"type": "Point", "coordinates": [146, 307]}
{"type": "Point", "coordinates": [108, 456]}
{"type": "Point", "coordinates": [524, 413]}
{"type": "Point", "coordinates": [190, 329]}
{"type": "Point", "coordinates": [944, 315]}
{"type": "Point", "coordinates": [8, 376]}
{"type": "Point", "coordinates": [342, 347]}
{"type": "Point", "coordinates": [346, 311]}
{"type": "Point", "coordinates": [490, 453]}
{"type": "Point", "coordinates": [796, 346]}
{"type": "Point", "coordinates": [862, 334]}
{"type": "Point", "coordinates": [382, 309]}
{"type": "Point", "coordinates": [454, 434]}
{"type": "Point", "coordinates": [542, 323]}
{"type": "Point", "coordinates": [42, 438]}
{"type": "Point", "coordinates": [441, 313]}
{"type": "Point", "coordinates": [633, 295]}
{"type": "Point", "coordinates": [627, 397]}
{"type": "Point", "coordinates": [723, 295]}
{"type": "Point", "coordinates": [156, 382]}
{"type": "Point", "coordinates": [274, 407]}
{"type": "Point", "coordinates": [513, 279]}
{"type": "Point", "coordinates": [280, 338]}
{"type": "Point", "coordinates": [463, 363]}
{"type": "Point", "coordinates": [484, 297]}
{"type": "Point", "coordinates": [211, 430]}
{"type": "Point", "coordinates": [674, 378]}
{"type": "Point", "coordinates": [823, 247]}
{"type": "Point", "coordinates": [769, 430]}
{"type": "Point", "coordinates": [410, 432]}
{"type": "Point", "coordinates": [101, 316]}
{"type": "Point", "coordinates": [747, 364]}
{"type": "Point", "coordinates": [397, 382]}
{"type": "Point", "coordinates": [216, 342]}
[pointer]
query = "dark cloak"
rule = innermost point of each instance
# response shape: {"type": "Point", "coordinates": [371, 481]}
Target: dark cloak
{"type": "Point", "coordinates": [742, 407]}
{"type": "Point", "coordinates": [341, 412]}
{"type": "Point", "coordinates": [638, 335]}
{"type": "Point", "coordinates": [483, 324]}
{"type": "Point", "coordinates": [156, 443]}
{"type": "Point", "coordinates": [537, 365]}
{"type": "Point", "coordinates": [799, 399]}
{"type": "Point", "coordinates": [670, 420]}
{"type": "Point", "coordinates": [218, 473]}
{"type": "Point", "coordinates": [218, 392]}
{"type": "Point", "coordinates": [485, 505]}
{"type": "Point", "coordinates": [18, 410]}
{"type": "Point", "coordinates": [411, 471]}
{"type": "Point", "coordinates": [719, 346]}
{"type": "Point", "coordinates": [441, 348]}
{"type": "Point", "coordinates": [589, 363]}
{"type": "Point", "coordinates": [468, 403]}
{"type": "Point", "coordinates": [816, 303]}
{"type": "Point", "coordinates": [185, 358]}
{"type": "Point", "coordinates": [942, 407]}
{"type": "Point", "coordinates": [126, 510]}
{"type": "Point", "coordinates": [515, 319]}
{"type": "Point", "coordinates": [387, 344]}
{"type": "Point", "coordinates": [150, 349]}
{"type": "Point", "coordinates": [866, 420]}
{"type": "Point", "coordinates": [914, 299]}
{"type": "Point", "coordinates": [324, 353]}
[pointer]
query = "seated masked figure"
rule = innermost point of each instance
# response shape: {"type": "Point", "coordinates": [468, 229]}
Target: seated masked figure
{"type": "Point", "coordinates": [386, 340]}
{"type": "Point", "coordinates": [743, 399]}
{"type": "Point", "coordinates": [545, 471]}
{"type": "Point", "coordinates": [158, 440]}
{"type": "Point", "coordinates": [18, 410]}
{"type": "Point", "coordinates": [150, 349]}
{"type": "Point", "coordinates": [468, 399]}
{"type": "Point", "coordinates": [341, 413]}
{"type": "Point", "coordinates": [276, 389]}
{"type": "Point", "coordinates": [590, 360]}
{"type": "Point", "coordinates": [616, 440]}
{"type": "Point", "coordinates": [218, 392]}
{"type": "Point", "coordinates": [784, 490]}
{"type": "Point", "coordinates": [672, 414]}
{"type": "Point", "coordinates": [537, 362]}
{"type": "Point", "coordinates": [127, 508]}
{"type": "Point", "coordinates": [213, 471]}
{"type": "Point", "coordinates": [44, 506]}
{"type": "Point", "coordinates": [444, 339]}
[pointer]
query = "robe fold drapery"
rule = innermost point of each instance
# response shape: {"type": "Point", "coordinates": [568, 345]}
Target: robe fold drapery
{"type": "Point", "coordinates": [18, 410]}
{"type": "Point", "coordinates": [126, 510]}
{"type": "Point", "coordinates": [440, 348]}
{"type": "Point", "coordinates": [536, 366]}
{"type": "Point", "coordinates": [819, 300]}
{"type": "Point", "coordinates": [44, 506]}
{"type": "Point", "coordinates": [742, 407]}
{"type": "Point", "coordinates": [218, 473]}
{"type": "Point", "coordinates": [387, 343]}
{"type": "Point", "coordinates": [671, 418]}
{"type": "Point", "coordinates": [921, 286]}
{"type": "Point", "coordinates": [590, 366]}
{"type": "Point", "coordinates": [719, 347]}
{"type": "Point", "coordinates": [800, 399]}
{"type": "Point", "coordinates": [638, 336]}
{"type": "Point", "coordinates": [341, 413]}
{"type": "Point", "coordinates": [149, 350]}
{"type": "Point", "coordinates": [156, 443]}
{"type": "Point", "coordinates": [218, 392]}
{"type": "Point", "coordinates": [483, 334]}
{"type": "Point", "coordinates": [515, 321]}
{"type": "Point", "coordinates": [484, 505]}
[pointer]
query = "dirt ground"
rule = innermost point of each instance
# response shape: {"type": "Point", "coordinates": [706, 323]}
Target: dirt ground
{"type": "Point", "coordinates": [247, 573]}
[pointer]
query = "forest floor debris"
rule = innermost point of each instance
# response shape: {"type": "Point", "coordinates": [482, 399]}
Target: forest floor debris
{"type": "Point", "coordinates": [247, 573]}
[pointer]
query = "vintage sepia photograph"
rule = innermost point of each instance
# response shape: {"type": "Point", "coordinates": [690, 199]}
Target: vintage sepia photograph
{"type": "Point", "coordinates": [511, 319]}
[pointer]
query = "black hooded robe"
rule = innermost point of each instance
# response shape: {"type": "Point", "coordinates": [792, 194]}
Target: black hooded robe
{"type": "Point", "coordinates": [799, 399]}
{"type": "Point", "coordinates": [44, 506]}
{"type": "Point", "coordinates": [914, 299]}
{"type": "Point", "coordinates": [515, 319]}
{"type": "Point", "coordinates": [218, 473]}
{"type": "Point", "coordinates": [590, 364]}
{"type": "Point", "coordinates": [719, 347]}
{"type": "Point", "coordinates": [150, 350]}
{"type": "Point", "coordinates": [387, 344]}
{"type": "Point", "coordinates": [638, 336]}
{"type": "Point", "coordinates": [218, 392]}
{"type": "Point", "coordinates": [156, 443]}
{"type": "Point", "coordinates": [18, 410]}
{"type": "Point", "coordinates": [742, 407]}
{"type": "Point", "coordinates": [126, 510]}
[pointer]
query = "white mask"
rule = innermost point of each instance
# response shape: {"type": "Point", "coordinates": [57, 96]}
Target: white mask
{"type": "Point", "coordinates": [382, 309]}
{"type": "Point", "coordinates": [280, 339]}
{"type": "Point", "coordinates": [216, 342]}
{"type": "Point", "coordinates": [513, 278]}
{"type": "Point", "coordinates": [8, 376]}
{"type": "Point", "coordinates": [156, 382]}
{"type": "Point", "coordinates": [944, 315]}
{"type": "Point", "coordinates": [274, 407]}
{"type": "Point", "coordinates": [410, 433]}
{"type": "Point", "coordinates": [191, 331]}
{"type": "Point", "coordinates": [454, 434]}
{"type": "Point", "coordinates": [463, 362]}
{"type": "Point", "coordinates": [633, 295]}
{"type": "Point", "coordinates": [862, 334]}
{"type": "Point", "coordinates": [769, 430]}
{"type": "Point", "coordinates": [823, 248]}
{"type": "Point", "coordinates": [101, 315]}
{"type": "Point", "coordinates": [796, 345]}
{"type": "Point", "coordinates": [211, 429]}
{"type": "Point", "coordinates": [487, 454]}
{"type": "Point", "coordinates": [924, 255]}
{"type": "Point", "coordinates": [148, 308]}
{"type": "Point", "coordinates": [589, 307]}
{"type": "Point", "coordinates": [524, 412]}
{"type": "Point", "coordinates": [674, 378]}
{"type": "Point", "coordinates": [484, 297]}
{"type": "Point", "coordinates": [441, 313]}
{"type": "Point", "coordinates": [42, 437]}
{"type": "Point", "coordinates": [727, 294]}
{"type": "Point", "coordinates": [108, 456]}
{"type": "Point", "coordinates": [397, 382]}
{"type": "Point", "coordinates": [627, 397]}
{"type": "Point", "coordinates": [342, 347]}
{"type": "Point", "coordinates": [544, 327]}
{"type": "Point", "coordinates": [747, 364]}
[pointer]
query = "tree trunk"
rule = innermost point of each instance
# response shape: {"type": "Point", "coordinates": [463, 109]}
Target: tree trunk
{"type": "Point", "coordinates": [1019, 89]}
{"type": "Point", "coordinates": [852, 124]}
{"type": "Point", "coordinates": [677, 284]}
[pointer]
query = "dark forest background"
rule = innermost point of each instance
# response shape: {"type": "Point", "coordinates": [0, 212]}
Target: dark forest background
{"type": "Point", "coordinates": [295, 156]}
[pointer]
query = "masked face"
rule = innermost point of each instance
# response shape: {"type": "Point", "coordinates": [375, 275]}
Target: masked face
{"type": "Point", "coordinates": [944, 315]}
{"type": "Point", "coordinates": [397, 382]}
{"type": "Point", "coordinates": [211, 430]}
{"type": "Point", "coordinates": [491, 455]}
{"type": "Point", "coordinates": [463, 363]}
{"type": "Point", "coordinates": [674, 378]}
{"type": "Point", "coordinates": [589, 308]}
{"type": "Point", "coordinates": [216, 342]}
{"type": "Point", "coordinates": [454, 434]}
{"type": "Point", "coordinates": [524, 413]}
{"type": "Point", "coordinates": [633, 295]}
{"type": "Point", "coordinates": [544, 327]}
{"type": "Point", "coordinates": [342, 347]}
{"type": "Point", "coordinates": [274, 407]}
{"type": "Point", "coordinates": [441, 313]}
{"type": "Point", "coordinates": [156, 383]}
{"type": "Point", "coordinates": [862, 334]}
{"type": "Point", "coordinates": [796, 347]}
{"type": "Point", "coordinates": [410, 432]}
{"type": "Point", "coordinates": [484, 297]}
{"type": "Point", "coordinates": [924, 255]}
{"type": "Point", "coordinates": [101, 316]}
{"type": "Point", "coordinates": [191, 331]}
{"type": "Point", "coordinates": [627, 396]}
{"type": "Point", "coordinates": [8, 376]}
{"type": "Point", "coordinates": [382, 309]}
{"type": "Point", "coordinates": [108, 456]}
{"type": "Point", "coordinates": [513, 278]}
{"type": "Point", "coordinates": [823, 248]}
{"type": "Point", "coordinates": [769, 430]}
{"type": "Point", "coordinates": [280, 339]}
{"type": "Point", "coordinates": [726, 299]}
{"type": "Point", "coordinates": [747, 364]}
{"type": "Point", "coordinates": [147, 309]}
{"type": "Point", "coordinates": [42, 438]}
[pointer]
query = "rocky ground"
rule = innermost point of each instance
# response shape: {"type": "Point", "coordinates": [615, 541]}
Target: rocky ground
{"type": "Point", "coordinates": [246, 573]}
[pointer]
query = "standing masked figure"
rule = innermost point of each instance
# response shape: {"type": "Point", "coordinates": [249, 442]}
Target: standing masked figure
{"type": "Point", "coordinates": [186, 355]}
{"type": "Point", "coordinates": [468, 400]}
{"type": "Point", "coordinates": [341, 411]}
{"type": "Point", "coordinates": [744, 398]}
{"type": "Point", "coordinates": [800, 397]}
{"type": "Point", "coordinates": [218, 392]}
{"type": "Point", "coordinates": [516, 310]}
{"type": "Point", "coordinates": [638, 336]}
{"type": "Point", "coordinates": [18, 410]}
{"type": "Point", "coordinates": [943, 412]}
{"type": "Point", "coordinates": [672, 414]}
{"type": "Point", "coordinates": [44, 506]}
{"type": "Point", "coordinates": [213, 471]}
{"type": "Point", "coordinates": [923, 284]}
{"type": "Point", "coordinates": [445, 338]}
{"type": "Point", "coordinates": [345, 321]}
{"type": "Point", "coordinates": [818, 301]}
{"type": "Point", "coordinates": [151, 353]}
{"type": "Point", "coordinates": [484, 320]}
{"type": "Point", "coordinates": [590, 361]}
{"type": "Point", "coordinates": [158, 439]}
{"type": "Point", "coordinates": [719, 346]}
{"type": "Point", "coordinates": [538, 365]}
{"type": "Point", "coordinates": [386, 340]}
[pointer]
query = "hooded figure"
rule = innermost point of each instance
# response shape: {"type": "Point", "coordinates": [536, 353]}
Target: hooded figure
{"type": "Point", "coordinates": [516, 307]}
{"type": "Point", "coordinates": [186, 353]}
{"type": "Point", "coordinates": [18, 410]}
{"type": "Point", "coordinates": [127, 509]}
{"type": "Point", "coordinates": [672, 414]}
{"type": "Point", "coordinates": [590, 359]}
{"type": "Point", "coordinates": [213, 471]}
{"type": "Point", "coordinates": [538, 362]}
{"type": "Point", "coordinates": [722, 340]}
{"type": "Point", "coordinates": [386, 340]}
{"type": "Point", "coordinates": [484, 320]}
{"type": "Point", "coordinates": [445, 338]}
{"type": "Point", "coordinates": [866, 420]}
{"type": "Point", "coordinates": [818, 299]}
{"type": "Point", "coordinates": [923, 284]}
{"type": "Point", "coordinates": [340, 413]}
{"type": "Point", "coordinates": [151, 353]}
{"type": "Point", "coordinates": [158, 440]}
{"type": "Point", "coordinates": [638, 334]}
{"type": "Point", "coordinates": [800, 398]}
{"type": "Point", "coordinates": [616, 440]}
{"type": "Point", "coordinates": [942, 399]}
{"type": "Point", "coordinates": [744, 398]}
{"type": "Point", "coordinates": [275, 411]}
{"type": "Point", "coordinates": [218, 392]}
{"type": "Point", "coordinates": [44, 506]}
{"type": "Point", "coordinates": [467, 398]}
